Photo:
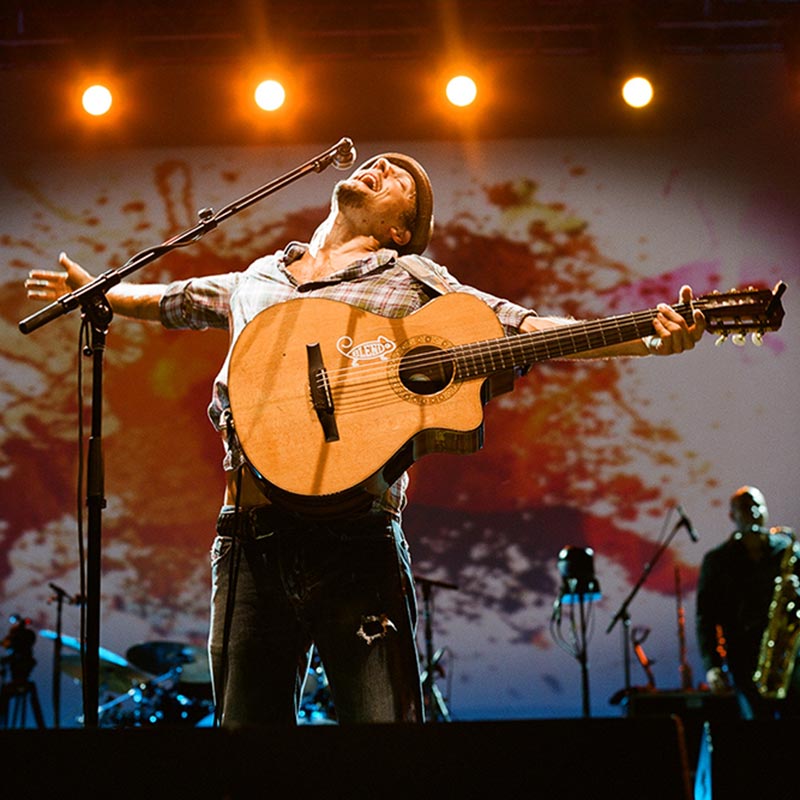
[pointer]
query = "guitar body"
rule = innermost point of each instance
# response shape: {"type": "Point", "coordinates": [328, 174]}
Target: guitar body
{"type": "Point", "coordinates": [391, 396]}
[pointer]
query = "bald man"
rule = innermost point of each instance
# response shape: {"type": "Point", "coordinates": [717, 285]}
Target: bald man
{"type": "Point", "coordinates": [735, 589]}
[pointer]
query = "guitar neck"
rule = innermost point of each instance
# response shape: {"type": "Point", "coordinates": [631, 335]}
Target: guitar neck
{"type": "Point", "coordinates": [481, 359]}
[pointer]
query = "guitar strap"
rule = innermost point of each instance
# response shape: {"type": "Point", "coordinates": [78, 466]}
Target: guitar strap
{"type": "Point", "coordinates": [425, 272]}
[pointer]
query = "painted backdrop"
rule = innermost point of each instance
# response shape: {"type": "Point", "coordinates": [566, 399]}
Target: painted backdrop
{"type": "Point", "coordinates": [589, 454]}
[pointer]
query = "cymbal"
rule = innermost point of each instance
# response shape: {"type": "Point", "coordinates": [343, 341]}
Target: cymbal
{"type": "Point", "coordinates": [161, 657]}
{"type": "Point", "coordinates": [74, 644]}
{"type": "Point", "coordinates": [113, 677]}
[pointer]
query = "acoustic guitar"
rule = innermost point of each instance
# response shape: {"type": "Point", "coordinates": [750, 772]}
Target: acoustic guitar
{"type": "Point", "coordinates": [332, 403]}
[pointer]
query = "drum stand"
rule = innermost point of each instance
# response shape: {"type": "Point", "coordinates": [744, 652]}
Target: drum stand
{"type": "Point", "coordinates": [433, 701]}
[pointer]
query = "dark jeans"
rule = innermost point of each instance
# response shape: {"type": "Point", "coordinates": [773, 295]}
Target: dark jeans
{"type": "Point", "coordinates": [346, 587]}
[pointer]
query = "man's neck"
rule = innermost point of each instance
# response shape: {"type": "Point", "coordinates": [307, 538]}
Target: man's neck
{"type": "Point", "coordinates": [318, 263]}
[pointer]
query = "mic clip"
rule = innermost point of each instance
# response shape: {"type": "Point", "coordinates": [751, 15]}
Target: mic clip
{"type": "Point", "coordinates": [345, 154]}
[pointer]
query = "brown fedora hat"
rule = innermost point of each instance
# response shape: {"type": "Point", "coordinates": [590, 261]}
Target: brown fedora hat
{"type": "Point", "coordinates": [423, 223]}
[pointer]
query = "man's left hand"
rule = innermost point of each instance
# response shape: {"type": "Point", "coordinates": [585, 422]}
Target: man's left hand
{"type": "Point", "coordinates": [672, 333]}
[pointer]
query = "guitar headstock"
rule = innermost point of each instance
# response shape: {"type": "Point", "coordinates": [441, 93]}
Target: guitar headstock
{"type": "Point", "coordinates": [742, 311]}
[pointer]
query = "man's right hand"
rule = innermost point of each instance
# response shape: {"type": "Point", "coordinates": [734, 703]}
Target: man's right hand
{"type": "Point", "coordinates": [49, 285]}
{"type": "Point", "coordinates": [715, 678]}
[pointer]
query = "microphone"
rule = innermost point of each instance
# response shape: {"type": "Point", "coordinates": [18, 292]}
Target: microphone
{"type": "Point", "coordinates": [345, 155]}
{"type": "Point", "coordinates": [77, 600]}
{"type": "Point", "coordinates": [686, 523]}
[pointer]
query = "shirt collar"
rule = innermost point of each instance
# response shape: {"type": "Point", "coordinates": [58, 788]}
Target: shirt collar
{"type": "Point", "coordinates": [377, 260]}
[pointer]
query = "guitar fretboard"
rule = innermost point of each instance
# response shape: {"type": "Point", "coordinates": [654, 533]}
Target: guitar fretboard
{"type": "Point", "coordinates": [480, 359]}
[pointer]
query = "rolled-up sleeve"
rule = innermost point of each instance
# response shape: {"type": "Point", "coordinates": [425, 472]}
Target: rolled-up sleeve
{"type": "Point", "coordinates": [198, 303]}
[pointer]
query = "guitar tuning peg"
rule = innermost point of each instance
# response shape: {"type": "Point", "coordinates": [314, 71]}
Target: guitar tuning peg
{"type": "Point", "coordinates": [720, 340]}
{"type": "Point", "coordinates": [739, 339]}
{"type": "Point", "coordinates": [758, 339]}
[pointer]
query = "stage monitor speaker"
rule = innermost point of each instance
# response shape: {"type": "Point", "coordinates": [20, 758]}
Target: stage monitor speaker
{"type": "Point", "coordinates": [686, 704]}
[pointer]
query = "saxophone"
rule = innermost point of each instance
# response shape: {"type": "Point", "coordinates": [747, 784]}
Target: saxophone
{"type": "Point", "coordinates": [781, 637]}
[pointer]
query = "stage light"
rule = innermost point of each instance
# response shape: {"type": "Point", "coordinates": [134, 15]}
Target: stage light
{"type": "Point", "coordinates": [270, 95]}
{"type": "Point", "coordinates": [97, 100]}
{"type": "Point", "coordinates": [637, 91]}
{"type": "Point", "coordinates": [461, 91]}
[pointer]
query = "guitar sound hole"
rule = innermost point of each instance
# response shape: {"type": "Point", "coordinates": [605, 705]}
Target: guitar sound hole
{"type": "Point", "coordinates": [425, 370]}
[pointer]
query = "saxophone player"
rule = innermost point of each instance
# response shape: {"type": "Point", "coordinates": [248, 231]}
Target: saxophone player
{"type": "Point", "coordinates": [738, 611]}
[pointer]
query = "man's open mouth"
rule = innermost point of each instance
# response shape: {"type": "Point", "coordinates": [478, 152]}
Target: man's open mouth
{"type": "Point", "coordinates": [370, 180]}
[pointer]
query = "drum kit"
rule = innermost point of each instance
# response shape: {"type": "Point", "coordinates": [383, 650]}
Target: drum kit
{"type": "Point", "coordinates": [155, 683]}
{"type": "Point", "coordinates": [164, 683]}
{"type": "Point", "coordinates": [316, 703]}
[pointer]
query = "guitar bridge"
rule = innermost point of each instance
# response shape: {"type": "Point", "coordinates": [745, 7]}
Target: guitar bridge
{"type": "Point", "coordinates": [321, 397]}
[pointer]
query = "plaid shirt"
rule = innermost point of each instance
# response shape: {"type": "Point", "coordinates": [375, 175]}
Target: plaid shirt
{"type": "Point", "coordinates": [379, 284]}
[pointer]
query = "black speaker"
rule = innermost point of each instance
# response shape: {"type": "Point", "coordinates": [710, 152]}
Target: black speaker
{"type": "Point", "coordinates": [687, 705]}
{"type": "Point", "coordinates": [540, 758]}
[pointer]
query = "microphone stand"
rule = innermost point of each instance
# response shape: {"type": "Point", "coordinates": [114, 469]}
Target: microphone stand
{"type": "Point", "coordinates": [623, 614]}
{"type": "Point", "coordinates": [572, 594]}
{"type": "Point", "coordinates": [583, 658]}
{"type": "Point", "coordinates": [95, 307]}
{"type": "Point", "coordinates": [60, 596]}
{"type": "Point", "coordinates": [433, 702]}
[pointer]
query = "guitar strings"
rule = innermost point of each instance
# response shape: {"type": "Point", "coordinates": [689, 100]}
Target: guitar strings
{"type": "Point", "coordinates": [524, 349]}
{"type": "Point", "coordinates": [534, 345]}
{"type": "Point", "coordinates": [368, 387]}
{"type": "Point", "coordinates": [526, 344]}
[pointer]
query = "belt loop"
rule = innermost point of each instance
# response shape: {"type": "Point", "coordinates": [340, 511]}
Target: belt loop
{"type": "Point", "coordinates": [261, 522]}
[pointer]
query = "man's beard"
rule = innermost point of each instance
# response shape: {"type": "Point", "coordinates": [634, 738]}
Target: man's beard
{"type": "Point", "coordinates": [349, 196]}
